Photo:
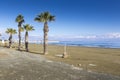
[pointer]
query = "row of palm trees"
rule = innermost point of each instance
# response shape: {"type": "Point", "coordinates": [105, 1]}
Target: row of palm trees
{"type": "Point", "coordinates": [12, 31]}
{"type": "Point", "coordinates": [44, 17]}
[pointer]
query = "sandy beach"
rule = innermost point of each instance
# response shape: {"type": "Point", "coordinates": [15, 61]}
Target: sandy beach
{"type": "Point", "coordinates": [15, 65]}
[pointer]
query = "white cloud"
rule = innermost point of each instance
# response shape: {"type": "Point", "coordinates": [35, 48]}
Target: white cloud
{"type": "Point", "coordinates": [91, 37]}
{"type": "Point", "coordinates": [104, 36]}
{"type": "Point", "coordinates": [113, 35]}
{"type": "Point", "coordinates": [76, 37]}
{"type": "Point", "coordinates": [35, 35]}
{"type": "Point", "coordinates": [72, 37]}
{"type": "Point", "coordinates": [87, 37]}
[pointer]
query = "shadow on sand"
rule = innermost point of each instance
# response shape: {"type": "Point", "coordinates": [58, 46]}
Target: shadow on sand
{"type": "Point", "coordinates": [31, 52]}
{"type": "Point", "coordinates": [36, 52]}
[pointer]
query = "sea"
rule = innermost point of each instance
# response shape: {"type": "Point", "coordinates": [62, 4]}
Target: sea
{"type": "Point", "coordinates": [101, 44]}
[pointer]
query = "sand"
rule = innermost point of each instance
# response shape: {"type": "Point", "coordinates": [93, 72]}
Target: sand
{"type": "Point", "coordinates": [26, 66]}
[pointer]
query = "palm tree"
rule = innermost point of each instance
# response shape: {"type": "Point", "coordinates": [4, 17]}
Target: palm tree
{"type": "Point", "coordinates": [45, 17]}
{"type": "Point", "coordinates": [19, 20]}
{"type": "Point", "coordinates": [27, 27]}
{"type": "Point", "coordinates": [11, 32]}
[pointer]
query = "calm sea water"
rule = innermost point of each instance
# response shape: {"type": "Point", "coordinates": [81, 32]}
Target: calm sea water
{"type": "Point", "coordinates": [103, 44]}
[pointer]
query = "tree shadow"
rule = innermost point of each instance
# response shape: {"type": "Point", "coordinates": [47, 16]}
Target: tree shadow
{"type": "Point", "coordinates": [33, 52]}
{"type": "Point", "coordinates": [36, 52]}
{"type": "Point", "coordinates": [20, 50]}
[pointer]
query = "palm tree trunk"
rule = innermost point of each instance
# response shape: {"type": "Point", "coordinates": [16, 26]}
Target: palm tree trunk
{"type": "Point", "coordinates": [26, 41]}
{"type": "Point", "coordinates": [19, 36]}
{"type": "Point", "coordinates": [45, 45]}
{"type": "Point", "coordinates": [10, 40]}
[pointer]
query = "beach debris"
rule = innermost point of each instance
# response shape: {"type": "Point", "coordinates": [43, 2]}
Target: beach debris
{"type": "Point", "coordinates": [92, 65]}
{"type": "Point", "coordinates": [64, 55]}
{"type": "Point", "coordinates": [59, 55]}
{"type": "Point", "coordinates": [76, 68]}
{"type": "Point", "coordinates": [49, 61]}
{"type": "Point", "coordinates": [79, 64]}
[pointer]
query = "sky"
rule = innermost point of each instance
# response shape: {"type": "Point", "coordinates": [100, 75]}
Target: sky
{"type": "Point", "coordinates": [75, 19]}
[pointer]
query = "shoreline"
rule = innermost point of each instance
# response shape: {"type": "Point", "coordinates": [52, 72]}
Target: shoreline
{"type": "Point", "coordinates": [90, 44]}
{"type": "Point", "coordinates": [76, 46]}
{"type": "Point", "coordinates": [109, 45]}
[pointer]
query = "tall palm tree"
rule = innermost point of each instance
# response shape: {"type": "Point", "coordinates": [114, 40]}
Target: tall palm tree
{"type": "Point", "coordinates": [11, 32]}
{"type": "Point", "coordinates": [45, 17]}
{"type": "Point", "coordinates": [19, 20]}
{"type": "Point", "coordinates": [27, 27]}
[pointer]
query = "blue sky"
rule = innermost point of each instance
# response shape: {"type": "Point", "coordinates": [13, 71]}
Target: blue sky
{"type": "Point", "coordinates": [74, 18]}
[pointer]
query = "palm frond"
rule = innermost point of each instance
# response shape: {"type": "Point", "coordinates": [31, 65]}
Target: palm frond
{"type": "Point", "coordinates": [20, 19]}
{"type": "Point", "coordinates": [44, 17]}
{"type": "Point", "coordinates": [21, 29]}
{"type": "Point", "coordinates": [28, 27]}
{"type": "Point", "coordinates": [52, 18]}
{"type": "Point", "coordinates": [10, 31]}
